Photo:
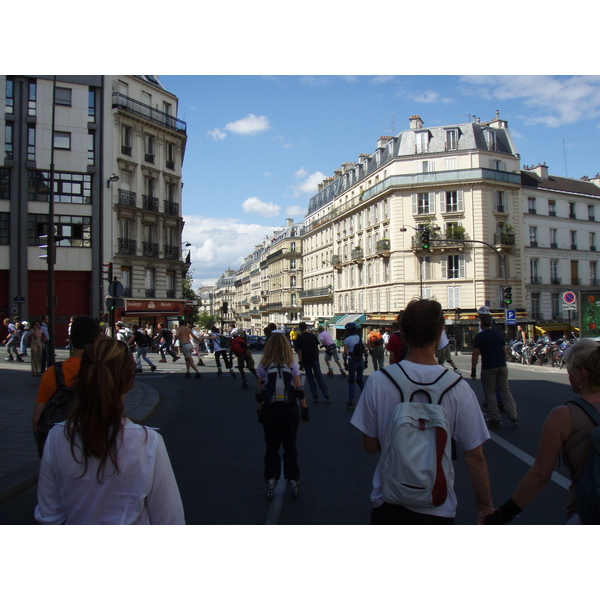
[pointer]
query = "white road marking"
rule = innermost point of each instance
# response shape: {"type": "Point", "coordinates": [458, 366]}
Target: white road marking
{"type": "Point", "coordinates": [529, 460]}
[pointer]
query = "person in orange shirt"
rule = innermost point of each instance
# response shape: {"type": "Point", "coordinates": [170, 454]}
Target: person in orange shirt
{"type": "Point", "coordinates": [84, 330]}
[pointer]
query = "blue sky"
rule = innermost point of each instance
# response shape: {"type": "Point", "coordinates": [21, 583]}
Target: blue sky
{"type": "Point", "coordinates": [258, 145]}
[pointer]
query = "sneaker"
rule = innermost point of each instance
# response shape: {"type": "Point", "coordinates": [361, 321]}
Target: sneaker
{"type": "Point", "coordinates": [9, 359]}
{"type": "Point", "coordinates": [198, 376]}
{"type": "Point", "coordinates": [457, 371]}
{"type": "Point", "coordinates": [176, 358]}
{"type": "Point", "coordinates": [153, 368]}
{"type": "Point", "coordinates": [294, 487]}
{"type": "Point", "coordinates": [162, 360]}
{"type": "Point", "coordinates": [344, 374]}
{"type": "Point", "coordinates": [201, 363]}
{"type": "Point", "coordinates": [330, 374]}
{"type": "Point", "coordinates": [350, 405]}
{"type": "Point", "coordinates": [188, 375]}
{"type": "Point", "coordinates": [19, 359]}
{"type": "Point", "coordinates": [271, 483]}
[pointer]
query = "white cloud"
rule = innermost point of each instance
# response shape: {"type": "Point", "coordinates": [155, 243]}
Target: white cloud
{"type": "Point", "coordinates": [310, 183]}
{"type": "Point", "coordinates": [429, 97]}
{"type": "Point", "coordinates": [249, 125]}
{"type": "Point", "coordinates": [219, 244]}
{"type": "Point", "coordinates": [265, 209]}
{"type": "Point", "coordinates": [216, 134]}
{"type": "Point", "coordinates": [269, 174]}
{"type": "Point", "coordinates": [295, 211]}
{"type": "Point", "coordinates": [553, 100]}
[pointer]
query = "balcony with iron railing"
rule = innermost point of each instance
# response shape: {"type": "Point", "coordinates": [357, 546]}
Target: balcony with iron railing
{"type": "Point", "coordinates": [150, 249]}
{"type": "Point", "coordinates": [575, 281]}
{"type": "Point", "coordinates": [127, 246]}
{"type": "Point", "coordinates": [150, 203]}
{"type": "Point", "coordinates": [556, 281]}
{"type": "Point", "coordinates": [274, 305]}
{"type": "Point", "coordinates": [536, 280]}
{"type": "Point", "coordinates": [504, 239]}
{"type": "Point", "coordinates": [594, 281]}
{"type": "Point", "coordinates": [127, 198]}
{"type": "Point", "coordinates": [139, 109]}
{"type": "Point", "coordinates": [150, 292]}
{"type": "Point", "coordinates": [127, 292]}
{"type": "Point", "coordinates": [435, 243]}
{"type": "Point", "coordinates": [172, 252]}
{"type": "Point", "coordinates": [170, 293]}
{"type": "Point", "coordinates": [336, 261]}
{"type": "Point", "coordinates": [383, 247]}
{"type": "Point", "coordinates": [316, 292]}
{"type": "Point", "coordinates": [358, 254]}
{"type": "Point", "coordinates": [171, 208]}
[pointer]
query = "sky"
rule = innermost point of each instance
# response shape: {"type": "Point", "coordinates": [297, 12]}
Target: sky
{"type": "Point", "coordinates": [258, 145]}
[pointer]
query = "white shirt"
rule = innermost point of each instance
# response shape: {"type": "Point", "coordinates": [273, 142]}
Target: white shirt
{"type": "Point", "coordinates": [466, 423]}
{"type": "Point", "coordinates": [444, 341]}
{"type": "Point", "coordinates": [143, 492]}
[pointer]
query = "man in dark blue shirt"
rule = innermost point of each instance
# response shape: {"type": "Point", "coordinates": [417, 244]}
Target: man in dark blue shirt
{"type": "Point", "coordinates": [489, 343]}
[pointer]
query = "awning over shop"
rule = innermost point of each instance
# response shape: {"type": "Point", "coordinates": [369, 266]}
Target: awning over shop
{"type": "Point", "coordinates": [334, 319]}
{"type": "Point", "coordinates": [380, 319]}
{"type": "Point", "coordinates": [543, 327]}
{"type": "Point", "coordinates": [349, 318]}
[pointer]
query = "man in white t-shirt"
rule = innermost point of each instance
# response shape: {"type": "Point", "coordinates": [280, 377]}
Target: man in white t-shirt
{"type": "Point", "coordinates": [422, 323]}
{"type": "Point", "coordinates": [443, 353]}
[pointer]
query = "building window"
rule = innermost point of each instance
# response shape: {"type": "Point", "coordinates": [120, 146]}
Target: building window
{"type": "Point", "coordinates": [8, 141]}
{"type": "Point", "coordinates": [535, 306]}
{"type": "Point", "coordinates": [453, 266]}
{"type": "Point", "coordinates": [126, 281]}
{"type": "Point", "coordinates": [554, 306]}
{"type": "Point", "coordinates": [91, 105]}
{"type": "Point", "coordinates": [31, 142]}
{"type": "Point", "coordinates": [427, 166]}
{"type": "Point", "coordinates": [9, 102]}
{"type": "Point", "coordinates": [170, 284]}
{"type": "Point", "coordinates": [531, 206]}
{"type": "Point", "coordinates": [591, 213]}
{"type": "Point", "coordinates": [126, 137]}
{"type": "Point", "coordinates": [91, 148]}
{"type": "Point", "coordinates": [553, 238]}
{"type": "Point", "coordinates": [452, 201]}
{"type": "Point", "coordinates": [594, 273]}
{"type": "Point", "coordinates": [423, 204]}
{"type": "Point", "coordinates": [533, 237]}
{"type": "Point", "coordinates": [593, 241]}
{"type": "Point", "coordinates": [69, 188]}
{"type": "Point", "coordinates": [499, 201]}
{"type": "Point", "coordinates": [422, 142]}
{"type": "Point", "coordinates": [149, 148]}
{"type": "Point", "coordinates": [4, 229]}
{"type": "Point", "coordinates": [453, 292]}
{"type": "Point", "coordinates": [573, 235]}
{"type": "Point", "coordinates": [170, 156]}
{"type": "Point", "coordinates": [552, 208]}
{"type": "Point", "coordinates": [490, 139]}
{"type": "Point", "coordinates": [572, 214]}
{"type": "Point", "coordinates": [4, 184]}
{"type": "Point", "coordinates": [31, 99]}
{"type": "Point", "coordinates": [75, 230]}
{"type": "Point", "coordinates": [63, 96]}
{"type": "Point", "coordinates": [451, 139]}
{"type": "Point", "coordinates": [534, 265]}
{"type": "Point", "coordinates": [149, 283]}
{"type": "Point", "coordinates": [554, 272]}
{"type": "Point", "coordinates": [62, 140]}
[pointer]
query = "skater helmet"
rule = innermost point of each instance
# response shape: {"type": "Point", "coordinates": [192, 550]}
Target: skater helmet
{"type": "Point", "coordinates": [351, 327]}
{"type": "Point", "coordinates": [235, 333]}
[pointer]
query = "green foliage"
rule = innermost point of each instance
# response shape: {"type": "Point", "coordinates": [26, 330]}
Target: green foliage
{"type": "Point", "coordinates": [206, 320]}
{"type": "Point", "coordinates": [188, 293]}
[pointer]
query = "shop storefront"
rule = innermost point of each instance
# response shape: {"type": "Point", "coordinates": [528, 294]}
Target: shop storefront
{"type": "Point", "coordinates": [152, 312]}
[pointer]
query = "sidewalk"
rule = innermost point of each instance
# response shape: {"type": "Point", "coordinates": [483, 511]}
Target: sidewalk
{"type": "Point", "coordinates": [19, 461]}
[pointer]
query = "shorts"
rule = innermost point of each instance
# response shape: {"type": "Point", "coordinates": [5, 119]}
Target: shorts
{"type": "Point", "coordinates": [246, 360]}
{"type": "Point", "coordinates": [187, 350]}
{"type": "Point", "coordinates": [331, 352]}
{"type": "Point", "coordinates": [444, 355]}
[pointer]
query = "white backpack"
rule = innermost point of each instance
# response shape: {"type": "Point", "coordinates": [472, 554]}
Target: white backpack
{"type": "Point", "coordinates": [416, 452]}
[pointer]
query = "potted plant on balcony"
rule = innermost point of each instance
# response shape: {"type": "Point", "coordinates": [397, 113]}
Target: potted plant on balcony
{"type": "Point", "coordinates": [456, 232]}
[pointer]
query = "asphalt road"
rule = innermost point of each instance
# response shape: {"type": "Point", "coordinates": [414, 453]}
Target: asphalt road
{"type": "Point", "coordinates": [216, 447]}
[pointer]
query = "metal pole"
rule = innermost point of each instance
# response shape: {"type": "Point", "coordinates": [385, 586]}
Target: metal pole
{"type": "Point", "coordinates": [51, 255]}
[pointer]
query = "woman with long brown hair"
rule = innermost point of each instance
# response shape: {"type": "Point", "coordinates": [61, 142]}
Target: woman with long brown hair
{"type": "Point", "coordinates": [98, 467]}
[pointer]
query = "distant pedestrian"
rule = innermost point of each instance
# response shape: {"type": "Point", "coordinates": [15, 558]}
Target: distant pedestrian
{"type": "Point", "coordinates": [12, 342]}
{"type": "Point", "coordinates": [443, 353]}
{"type": "Point", "coordinates": [25, 333]}
{"type": "Point", "coordinates": [240, 349]}
{"type": "Point", "coordinates": [35, 338]}
{"type": "Point", "coordinates": [165, 339]}
{"type": "Point", "coordinates": [376, 348]}
{"type": "Point", "coordinates": [46, 342]}
{"type": "Point", "coordinates": [220, 353]}
{"type": "Point", "coordinates": [307, 348]}
{"type": "Point", "coordinates": [331, 352]}
{"type": "Point", "coordinates": [184, 336]}
{"type": "Point", "coordinates": [142, 343]}
{"type": "Point", "coordinates": [396, 346]}
{"type": "Point", "coordinates": [489, 344]}
{"type": "Point", "coordinates": [278, 391]}
{"type": "Point", "coordinates": [355, 354]}
{"type": "Point", "coordinates": [99, 468]}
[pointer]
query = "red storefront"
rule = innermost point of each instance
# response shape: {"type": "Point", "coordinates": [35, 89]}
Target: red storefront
{"type": "Point", "coordinates": [153, 312]}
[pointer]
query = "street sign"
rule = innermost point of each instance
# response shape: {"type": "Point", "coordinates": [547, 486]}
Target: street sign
{"type": "Point", "coordinates": [18, 299]}
{"type": "Point", "coordinates": [569, 298]}
{"type": "Point", "coordinates": [511, 316]}
{"type": "Point", "coordinates": [569, 307]}
{"type": "Point", "coordinates": [115, 289]}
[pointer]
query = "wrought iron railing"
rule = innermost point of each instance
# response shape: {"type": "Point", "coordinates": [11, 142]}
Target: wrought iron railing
{"type": "Point", "coordinates": [143, 110]}
{"type": "Point", "coordinates": [150, 203]}
{"type": "Point", "coordinates": [150, 249]}
{"type": "Point", "coordinates": [127, 198]}
{"type": "Point", "coordinates": [127, 246]}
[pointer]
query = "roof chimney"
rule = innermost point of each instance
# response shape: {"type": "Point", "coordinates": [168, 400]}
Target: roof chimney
{"type": "Point", "coordinates": [596, 179]}
{"type": "Point", "coordinates": [289, 222]}
{"type": "Point", "coordinates": [541, 171]}
{"type": "Point", "coordinates": [415, 122]}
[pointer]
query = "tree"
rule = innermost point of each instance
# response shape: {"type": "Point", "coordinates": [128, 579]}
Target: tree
{"type": "Point", "coordinates": [206, 321]}
{"type": "Point", "coordinates": [188, 293]}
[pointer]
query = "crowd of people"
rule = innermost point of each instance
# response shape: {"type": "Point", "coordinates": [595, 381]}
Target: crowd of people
{"type": "Point", "coordinates": [124, 459]}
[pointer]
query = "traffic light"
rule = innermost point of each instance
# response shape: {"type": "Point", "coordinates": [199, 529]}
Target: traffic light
{"type": "Point", "coordinates": [44, 246]}
{"type": "Point", "coordinates": [425, 239]}
{"type": "Point", "coordinates": [507, 295]}
{"type": "Point", "coordinates": [107, 269]}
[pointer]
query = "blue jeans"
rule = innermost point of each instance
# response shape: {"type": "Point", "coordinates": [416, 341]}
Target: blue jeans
{"type": "Point", "coordinates": [314, 377]}
{"type": "Point", "coordinates": [166, 347]}
{"type": "Point", "coordinates": [141, 353]}
{"type": "Point", "coordinates": [355, 374]}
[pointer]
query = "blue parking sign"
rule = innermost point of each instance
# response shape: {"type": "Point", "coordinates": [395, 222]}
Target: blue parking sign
{"type": "Point", "coordinates": [511, 316]}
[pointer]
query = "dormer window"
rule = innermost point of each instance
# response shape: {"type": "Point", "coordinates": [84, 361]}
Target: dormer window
{"type": "Point", "coordinates": [452, 139]}
{"type": "Point", "coordinates": [490, 138]}
{"type": "Point", "coordinates": [422, 141]}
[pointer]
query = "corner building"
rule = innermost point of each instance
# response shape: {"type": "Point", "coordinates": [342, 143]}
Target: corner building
{"type": "Point", "coordinates": [363, 258]}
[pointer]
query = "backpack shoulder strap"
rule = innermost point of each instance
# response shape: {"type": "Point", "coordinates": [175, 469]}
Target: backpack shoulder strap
{"type": "Point", "coordinates": [587, 408]}
{"type": "Point", "coordinates": [59, 375]}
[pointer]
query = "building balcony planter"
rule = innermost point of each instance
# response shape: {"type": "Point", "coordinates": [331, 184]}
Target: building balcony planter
{"type": "Point", "coordinates": [382, 247]}
{"type": "Point", "coordinates": [358, 255]}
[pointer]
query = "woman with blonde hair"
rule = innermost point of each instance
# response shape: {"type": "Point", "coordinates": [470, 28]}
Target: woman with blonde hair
{"type": "Point", "coordinates": [278, 391]}
{"type": "Point", "coordinates": [99, 467]}
{"type": "Point", "coordinates": [568, 430]}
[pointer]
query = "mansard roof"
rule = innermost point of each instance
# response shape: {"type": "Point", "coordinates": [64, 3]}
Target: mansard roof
{"type": "Point", "coordinates": [559, 184]}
